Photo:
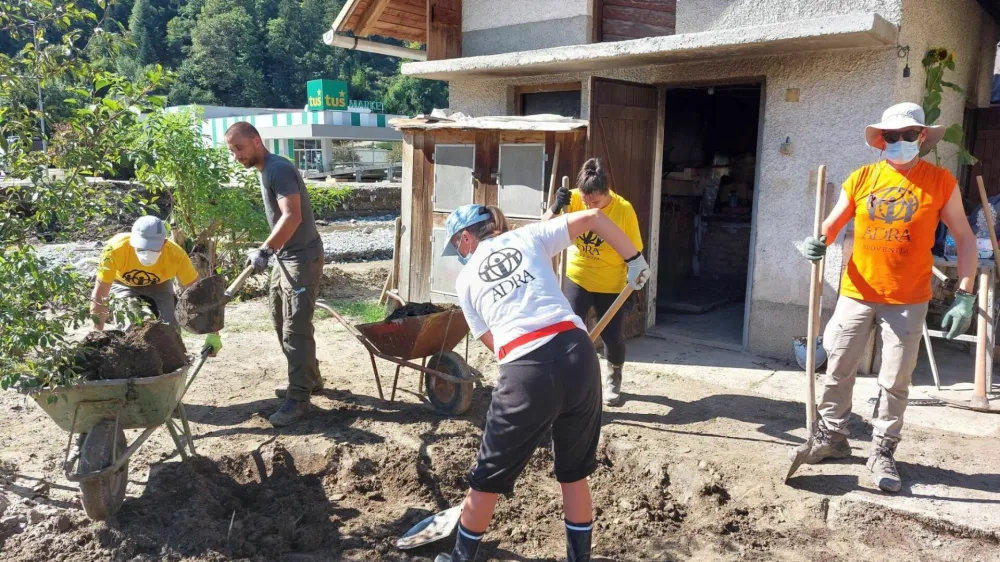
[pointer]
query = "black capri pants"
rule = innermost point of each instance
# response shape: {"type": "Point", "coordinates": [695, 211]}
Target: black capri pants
{"type": "Point", "coordinates": [613, 335]}
{"type": "Point", "coordinates": [556, 386]}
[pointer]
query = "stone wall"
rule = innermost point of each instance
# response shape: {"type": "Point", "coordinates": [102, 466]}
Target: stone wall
{"type": "Point", "coordinates": [364, 200]}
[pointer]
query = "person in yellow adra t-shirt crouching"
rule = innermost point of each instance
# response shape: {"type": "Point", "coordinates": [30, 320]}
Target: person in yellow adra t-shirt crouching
{"type": "Point", "coordinates": [595, 273]}
{"type": "Point", "coordinates": [143, 264]}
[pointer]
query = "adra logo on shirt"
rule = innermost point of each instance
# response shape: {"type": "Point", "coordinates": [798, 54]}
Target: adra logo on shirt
{"type": "Point", "coordinates": [502, 265]}
{"type": "Point", "coordinates": [591, 244]}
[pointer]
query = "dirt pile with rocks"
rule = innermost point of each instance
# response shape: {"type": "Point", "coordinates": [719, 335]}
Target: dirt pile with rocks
{"type": "Point", "coordinates": [414, 309]}
{"type": "Point", "coordinates": [149, 350]}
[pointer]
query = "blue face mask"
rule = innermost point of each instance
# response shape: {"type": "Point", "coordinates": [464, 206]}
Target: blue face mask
{"type": "Point", "coordinates": [902, 151]}
{"type": "Point", "coordinates": [462, 259]}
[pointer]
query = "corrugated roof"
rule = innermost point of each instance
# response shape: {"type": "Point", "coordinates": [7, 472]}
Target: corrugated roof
{"type": "Point", "coordinates": [440, 120]}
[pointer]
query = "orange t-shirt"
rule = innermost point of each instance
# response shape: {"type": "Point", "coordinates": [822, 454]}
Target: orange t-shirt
{"type": "Point", "coordinates": [895, 218]}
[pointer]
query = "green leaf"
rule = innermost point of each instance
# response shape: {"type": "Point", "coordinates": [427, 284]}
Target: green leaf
{"type": "Point", "coordinates": [953, 134]}
{"type": "Point", "coordinates": [965, 158]}
{"type": "Point", "coordinates": [52, 399]}
{"type": "Point", "coordinates": [932, 115]}
{"type": "Point", "coordinates": [101, 84]}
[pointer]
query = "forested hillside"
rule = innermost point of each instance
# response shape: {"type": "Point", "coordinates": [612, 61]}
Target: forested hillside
{"type": "Point", "coordinates": [252, 53]}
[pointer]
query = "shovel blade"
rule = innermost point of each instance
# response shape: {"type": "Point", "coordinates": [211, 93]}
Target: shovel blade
{"type": "Point", "coordinates": [434, 528]}
{"type": "Point", "coordinates": [798, 456]}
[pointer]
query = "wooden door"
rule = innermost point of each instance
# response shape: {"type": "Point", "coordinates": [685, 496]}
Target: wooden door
{"type": "Point", "coordinates": [986, 148]}
{"type": "Point", "coordinates": [621, 20]}
{"type": "Point", "coordinates": [623, 125]}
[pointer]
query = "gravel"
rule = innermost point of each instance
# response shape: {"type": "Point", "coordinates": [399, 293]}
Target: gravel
{"type": "Point", "coordinates": [354, 240]}
{"type": "Point", "coordinates": [357, 240]}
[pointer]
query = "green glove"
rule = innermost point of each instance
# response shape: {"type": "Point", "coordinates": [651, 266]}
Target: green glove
{"type": "Point", "coordinates": [959, 316]}
{"type": "Point", "coordinates": [213, 341]}
{"type": "Point", "coordinates": [813, 248]}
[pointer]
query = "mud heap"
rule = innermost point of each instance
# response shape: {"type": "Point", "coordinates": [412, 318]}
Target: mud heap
{"type": "Point", "coordinates": [142, 351]}
{"type": "Point", "coordinates": [414, 309]}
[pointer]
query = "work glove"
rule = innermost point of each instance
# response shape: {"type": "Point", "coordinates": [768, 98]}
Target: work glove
{"type": "Point", "coordinates": [812, 248]}
{"type": "Point", "coordinates": [959, 316]}
{"type": "Point", "coordinates": [259, 258]}
{"type": "Point", "coordinates": [563, 199]}
{"type": "Point", "coordinates": [213, 341]}
{"type": "Point", "coordinates": [638, 271]}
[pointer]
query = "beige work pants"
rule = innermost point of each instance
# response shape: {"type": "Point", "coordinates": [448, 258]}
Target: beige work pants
{"type": "Point", "coordinates": [845, 339]}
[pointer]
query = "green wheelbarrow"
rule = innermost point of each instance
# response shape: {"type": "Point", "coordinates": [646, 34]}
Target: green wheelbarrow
{"type": "Point", "coordinates": [103, 410]}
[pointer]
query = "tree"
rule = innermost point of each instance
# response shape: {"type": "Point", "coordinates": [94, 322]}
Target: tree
{"type": "Point", "coordinates": [42, 301]}
{"type": "Point", "coordinates": [406, 95]}
{"type": "Point", "coordinates": [225, 57]}
{"type": "Point", "coordinates": [213, 197]}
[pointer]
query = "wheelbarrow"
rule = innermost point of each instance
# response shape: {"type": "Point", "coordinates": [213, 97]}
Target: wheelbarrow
{"type": "Point", "coordinates": [103, 410]}
{"type": "Point", "coordinates": [447, 377]}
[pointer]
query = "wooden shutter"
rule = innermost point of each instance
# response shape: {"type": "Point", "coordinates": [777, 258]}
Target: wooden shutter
{"type": "Point", "coordinates": [623, 125]}
{"type": "Point", "coordinates": [444, 29]}
{"type": "Point", "coordinates": [620, 20]}
{"type": "Point", "coordinates": [987, 149]}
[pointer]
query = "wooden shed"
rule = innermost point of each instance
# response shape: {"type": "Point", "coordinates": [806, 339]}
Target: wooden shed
{"type": "Point", "coordinates": [447, 163]}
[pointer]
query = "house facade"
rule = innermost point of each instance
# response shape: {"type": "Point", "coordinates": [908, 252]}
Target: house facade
{"type": "Point", "coordinates": [711, 117]}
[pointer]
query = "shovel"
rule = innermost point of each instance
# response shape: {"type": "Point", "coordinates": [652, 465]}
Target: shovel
{"type": "Point", "coordinates": [799, 454]}
{"type": "Point", "coordinates": [202, 308]}
{"type": "Point", "coordinates": [442, 524]}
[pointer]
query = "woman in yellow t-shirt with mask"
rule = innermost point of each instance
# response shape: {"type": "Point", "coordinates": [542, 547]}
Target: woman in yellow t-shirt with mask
{"type": "Point", "coordinates": [595, 273]}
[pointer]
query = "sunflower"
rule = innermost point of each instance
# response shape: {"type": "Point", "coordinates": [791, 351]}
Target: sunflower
{"type": "Point", "coordinates": [942, 53]}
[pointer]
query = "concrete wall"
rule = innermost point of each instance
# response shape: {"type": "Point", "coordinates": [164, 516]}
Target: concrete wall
{"type": "Point", "coordinates": [840, 92]}
{"type": "Point", "coordinates": [702, 15]}
{"type": "Point", "coordinates": [490, 27]}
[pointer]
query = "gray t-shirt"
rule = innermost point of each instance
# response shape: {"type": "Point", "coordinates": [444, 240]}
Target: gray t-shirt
{"type": "Point", "coordinates": [279, 179]}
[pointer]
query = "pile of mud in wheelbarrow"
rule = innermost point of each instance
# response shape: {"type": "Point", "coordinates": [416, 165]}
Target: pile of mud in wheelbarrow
{"type": "Point", "coordinates": [137, 379]}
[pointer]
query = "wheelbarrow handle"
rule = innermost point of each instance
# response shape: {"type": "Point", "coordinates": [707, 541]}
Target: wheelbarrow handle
{"type": "Point", "coordinates": [350, 327]}
{"type": "Point", "coordinates": [238, 283]}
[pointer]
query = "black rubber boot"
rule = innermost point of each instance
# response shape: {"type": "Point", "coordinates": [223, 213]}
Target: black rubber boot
{"type": "Point", "coordinates": [466, 547]}
{"type": "Point", "coordinates": [578, 541]}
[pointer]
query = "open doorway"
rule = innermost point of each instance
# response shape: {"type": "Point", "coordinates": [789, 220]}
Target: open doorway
{"type": "Point", "coordinates": [709, 173]}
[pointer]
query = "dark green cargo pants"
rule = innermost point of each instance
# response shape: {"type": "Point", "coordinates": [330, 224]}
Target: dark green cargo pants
{"type": "Point", "coordinates": [294, 289]}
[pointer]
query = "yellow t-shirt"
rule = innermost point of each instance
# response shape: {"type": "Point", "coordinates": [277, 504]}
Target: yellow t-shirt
{"type": "Point", "coordinates": [119, 263]}
{"type": "Point", "coordinates": [591, 263]}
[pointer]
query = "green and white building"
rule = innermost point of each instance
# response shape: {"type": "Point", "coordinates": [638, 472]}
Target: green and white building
{"type": "Point", "coordinates": [307, 137]}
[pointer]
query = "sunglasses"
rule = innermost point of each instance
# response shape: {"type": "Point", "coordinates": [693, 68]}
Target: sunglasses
{"type": "Point", "coordinates": [894, 136]}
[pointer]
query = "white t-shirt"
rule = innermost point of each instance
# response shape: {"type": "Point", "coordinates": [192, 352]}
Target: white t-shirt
{"type": "Point", "coordinates": [509, 288]}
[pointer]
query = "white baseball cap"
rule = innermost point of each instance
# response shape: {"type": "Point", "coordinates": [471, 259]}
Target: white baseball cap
{"type": "Point", "coordinates": [901, 116]}
{"type": "Point", "coordinates": [148, 233]}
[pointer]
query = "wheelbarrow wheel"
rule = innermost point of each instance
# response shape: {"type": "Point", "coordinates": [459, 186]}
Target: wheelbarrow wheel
{"type": "Point", "coordinates": [449, 398]}
{"type": "Point", "coordinates": [103, 496]}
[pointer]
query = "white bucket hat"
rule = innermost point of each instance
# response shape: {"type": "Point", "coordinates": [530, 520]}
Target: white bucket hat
{"type": "Point", "coordinates": [901, 116]}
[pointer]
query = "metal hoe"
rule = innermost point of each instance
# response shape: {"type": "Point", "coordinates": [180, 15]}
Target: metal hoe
{"type": "Point", "coordinates": [799, 454]}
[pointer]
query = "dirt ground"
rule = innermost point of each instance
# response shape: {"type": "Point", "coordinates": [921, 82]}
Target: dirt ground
{"type": "Point", "coordinates": [689, 471]}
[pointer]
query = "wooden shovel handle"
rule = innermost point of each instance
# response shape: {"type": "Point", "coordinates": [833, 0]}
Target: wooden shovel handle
{"type": "Point", "coordinates": [238, 283]}
{"type": "Point", "coordinates": [603, 322]}
{"type": "Point", "coordinates": [815, 292]}
{"type": "Point", "coordinates": [989, 220]}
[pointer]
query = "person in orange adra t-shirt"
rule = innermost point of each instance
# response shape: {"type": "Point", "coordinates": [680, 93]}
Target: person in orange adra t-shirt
{"type": "Point", "coordinates": [896, 205]}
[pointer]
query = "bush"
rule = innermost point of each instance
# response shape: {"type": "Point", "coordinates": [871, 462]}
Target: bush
{"type": "Point", "coordinates": [327, 200]}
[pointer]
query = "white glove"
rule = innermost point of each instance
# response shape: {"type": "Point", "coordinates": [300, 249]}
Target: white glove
{"type": "Point", "coordinates": [638, 272]}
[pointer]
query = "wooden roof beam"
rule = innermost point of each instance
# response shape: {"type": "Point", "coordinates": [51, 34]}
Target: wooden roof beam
{"type": "Point", "coordinates": [370, 18]}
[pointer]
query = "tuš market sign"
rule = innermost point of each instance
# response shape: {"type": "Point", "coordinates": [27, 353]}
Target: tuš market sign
{"type": "Point", "coordinates": [332, 95]}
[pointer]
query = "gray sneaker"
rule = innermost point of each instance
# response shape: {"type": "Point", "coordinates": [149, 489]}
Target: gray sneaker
{"type": "Point", "coordinates": [290, 412]}
{"type": "Point", "coordinates": [882, 464]}
{"type": "Point", "coordinates": [282, 391]}
{"type": "Point", "coordinates": [827, 444]}
{"type": "Point", "coordinates": [612, 394]}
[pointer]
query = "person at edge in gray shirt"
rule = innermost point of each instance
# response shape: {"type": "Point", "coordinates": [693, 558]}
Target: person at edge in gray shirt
{"type": "Point", "coordinates": [298, 250]}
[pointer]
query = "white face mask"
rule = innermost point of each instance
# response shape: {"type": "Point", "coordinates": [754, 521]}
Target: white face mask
{"type": "Point", "coordinates": [147, 257]}
{"type": "Point", "coordinates": [902, 151]}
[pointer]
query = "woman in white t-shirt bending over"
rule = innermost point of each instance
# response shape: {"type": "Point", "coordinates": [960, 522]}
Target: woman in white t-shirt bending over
{"type": "Point", "coordinates": [550, 376]}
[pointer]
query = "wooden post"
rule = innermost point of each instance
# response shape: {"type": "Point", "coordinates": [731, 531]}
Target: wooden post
{"type": "Point", "coordinates": [979, 399]}
{"type": "Point", "coordinates": [552, 194]}
{"type": "Point", "coordinates": [562, 255]}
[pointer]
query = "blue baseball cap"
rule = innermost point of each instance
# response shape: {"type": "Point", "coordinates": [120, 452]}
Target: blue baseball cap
{"type": "Point", "coordinates": [460, 219]}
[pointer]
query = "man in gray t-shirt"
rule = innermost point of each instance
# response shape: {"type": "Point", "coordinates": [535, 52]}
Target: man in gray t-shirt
{"type": "Point", "coordinates": [294, 286]}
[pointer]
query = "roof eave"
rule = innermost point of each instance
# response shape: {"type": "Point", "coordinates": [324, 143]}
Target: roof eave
{"type": "Point", "coordinates": [862, 30]}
